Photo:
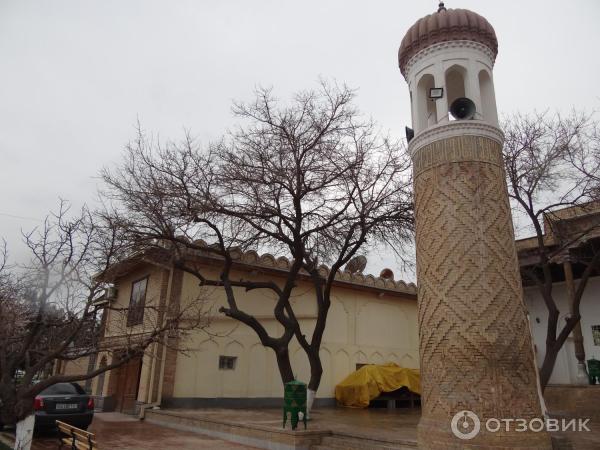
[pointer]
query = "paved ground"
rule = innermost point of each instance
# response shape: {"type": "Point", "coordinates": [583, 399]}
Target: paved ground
{"type": "Point", "coordinates": [120, 432]}
{"type": "Point", "coordinates": [117, 431]}
{"type": "Point", "coordinates": [370, 423]}
{"type": "Point", "coordinates": [395, 424]}
{"type": "Point", "coordinates": [581, 440]}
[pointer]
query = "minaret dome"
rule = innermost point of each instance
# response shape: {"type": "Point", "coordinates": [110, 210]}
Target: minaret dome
{"type": "Point", "coordinates": [446, 56]}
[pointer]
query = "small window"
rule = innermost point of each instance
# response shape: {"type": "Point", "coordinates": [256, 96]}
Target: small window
{"type": "Point", "coordinates": [596, 334]}
{"type": "Point", "coordinates": [137, 302]}
{"type": "Point", "coordinates": [227, 362]}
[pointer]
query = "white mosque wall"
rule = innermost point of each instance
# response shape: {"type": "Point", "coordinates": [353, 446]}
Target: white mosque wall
{"type": "Point", "coordinates": [566, 364]}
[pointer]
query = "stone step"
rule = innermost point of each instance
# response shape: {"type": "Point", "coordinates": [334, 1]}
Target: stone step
{"type": "Point", "coordinates": [349, 442]}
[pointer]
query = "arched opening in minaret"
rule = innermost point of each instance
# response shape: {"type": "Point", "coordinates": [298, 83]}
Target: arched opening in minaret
{"type": "Point", "coordinates": [488, 98]}
{"type": "Point", "coordinates": [455, 84]}
{"type": "Point", "coordinates": [426, 110]}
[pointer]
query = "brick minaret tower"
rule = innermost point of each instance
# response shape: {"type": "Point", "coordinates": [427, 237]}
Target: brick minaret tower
{"type": "Point", "coordinates": [475, 344]}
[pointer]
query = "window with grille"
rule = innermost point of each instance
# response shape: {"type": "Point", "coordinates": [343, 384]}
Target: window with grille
{"type": "Point", "coordinates": [227, 362]}
{"type": "Point", "coordinates": [596, 334]}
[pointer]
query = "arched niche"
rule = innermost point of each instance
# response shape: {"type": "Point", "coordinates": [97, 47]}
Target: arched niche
{"type": "Point", "coordinates": [341, 366]}
{"type": "Point", "coordinates": [455, 77]}
{"type": "Point", "coordinates": [426, 111]}
{"type": "Point", "coordinates": [488, 98]}
{"type": "Point", "coordinates": [233, 381]}
{"type": "Point", "coordinates": [376, 358]}
{"type": "Point", "coordinates": [258, 381]}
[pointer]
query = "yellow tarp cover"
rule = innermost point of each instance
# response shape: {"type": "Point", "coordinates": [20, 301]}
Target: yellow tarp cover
{"type": "Point", "coordinates": [368, 382]}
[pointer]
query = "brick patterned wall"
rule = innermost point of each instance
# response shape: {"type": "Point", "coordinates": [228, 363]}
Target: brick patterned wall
{"type": "Point", "coordinates": [475, 345]}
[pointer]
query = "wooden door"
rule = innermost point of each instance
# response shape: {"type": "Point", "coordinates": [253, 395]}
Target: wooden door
{"type": "Point", "coordinates": [129, 381]}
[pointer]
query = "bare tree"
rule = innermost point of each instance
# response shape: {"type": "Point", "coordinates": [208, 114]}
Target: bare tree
{"type": "Point", "coordinates": [310, 180]}
{"type": "Point", "coordinates": [49, 311]}
{"type": "Point", "coordinates": [584, 156]}
{"type": "Point", "coordinates": [551, 166]}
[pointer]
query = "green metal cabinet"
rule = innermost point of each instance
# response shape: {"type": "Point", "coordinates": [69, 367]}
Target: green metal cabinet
{"type": "Point", "coordinates": [294, 402]}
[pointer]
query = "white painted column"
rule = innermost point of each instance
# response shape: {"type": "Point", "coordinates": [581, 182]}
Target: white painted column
{"type": "Point", "coordinates": [581, 376]}
{"type": "Point", "coordinates": [472, 90]}
{"type": "Point", "coordinates": [411, 93]}
{"type": "Point", "coordinates": [441, 103]}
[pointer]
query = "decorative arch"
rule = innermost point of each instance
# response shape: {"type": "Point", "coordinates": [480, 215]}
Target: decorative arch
{"type": "Point", "coordinates": [300, 365]}
{"type": "Point", "coordinates": [207, 344]}
{"type": "Point", "coordinates": [426, 109]}
{"type": "Point", "coordinates": [408, 361]}
{"type": "Point", "coordinates": [205, 354]}
{"type": "Point", "coordinates": [392, 357]}
{"type": "Point", "coordinates": [327, 382]}
{"type": "Point", "coordinates": [376, 358]}
{"type": "Point", "coordinates": [233, 382]}
{"type": "Point", "coordinates": [258, 371]}
{"type": "Point", "coordinates": [360, 358]}
{"type": "Point", "coordinates": [341, 366]}
{"type": "Point", "coordinates": [324, 352]}
{"type": "Point", "coordinates": [455, 77]}
{"type": "Point", "coordinates": [234, 348]}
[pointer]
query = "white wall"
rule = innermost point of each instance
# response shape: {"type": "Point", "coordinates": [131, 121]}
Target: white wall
{"type": "Point", "coordinates": [566, 363]}
{"type": "Point", "coordinates": [362, 327]}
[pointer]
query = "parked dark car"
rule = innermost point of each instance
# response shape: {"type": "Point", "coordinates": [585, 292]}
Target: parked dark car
{"type": "Point", "coordinates": [66, 402]}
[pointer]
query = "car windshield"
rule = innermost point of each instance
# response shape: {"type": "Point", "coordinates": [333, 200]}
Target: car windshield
{"type": "Point", "coordinates": [63, 389]}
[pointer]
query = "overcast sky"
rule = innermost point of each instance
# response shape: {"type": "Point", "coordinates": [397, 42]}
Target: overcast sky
{"type": "Point", "coordinates": [76, 75]}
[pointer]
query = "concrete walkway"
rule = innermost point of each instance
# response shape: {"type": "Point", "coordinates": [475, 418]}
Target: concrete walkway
{"type": "Point", "coordinates": [118, 431]}
{"type": "Point", "coordinates": [381, 423]}
{"type": "Point", "coordinates": [122, 432]}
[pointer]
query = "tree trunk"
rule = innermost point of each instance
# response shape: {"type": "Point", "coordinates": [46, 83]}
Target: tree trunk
{"type": "Point", "coordinates": [310, 398]}
{"type": "Point", "coordinates": [7, 402]}
{"type": "Point", "coordinates": [24, 433]}
{"type": "Point", "coordinates": [282, 355]}
{"type": "Point", "coordinates": [548, 365]}
{"type": "Point", "coordinates": [316, 372]}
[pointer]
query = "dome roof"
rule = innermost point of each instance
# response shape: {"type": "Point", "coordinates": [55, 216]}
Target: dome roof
{"type": "Point", "coordinates": [446, 25]}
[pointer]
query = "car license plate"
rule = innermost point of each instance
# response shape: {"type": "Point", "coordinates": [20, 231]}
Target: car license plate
{"type": "Point", "coordinates": [66, 406]}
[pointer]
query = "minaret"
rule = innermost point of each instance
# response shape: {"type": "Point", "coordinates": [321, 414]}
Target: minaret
{"type": "Point", "coordinates": [475, 344]}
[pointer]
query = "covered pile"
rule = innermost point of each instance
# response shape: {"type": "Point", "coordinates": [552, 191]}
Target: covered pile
{"type": "Point", "coordinates": [368, 382]}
